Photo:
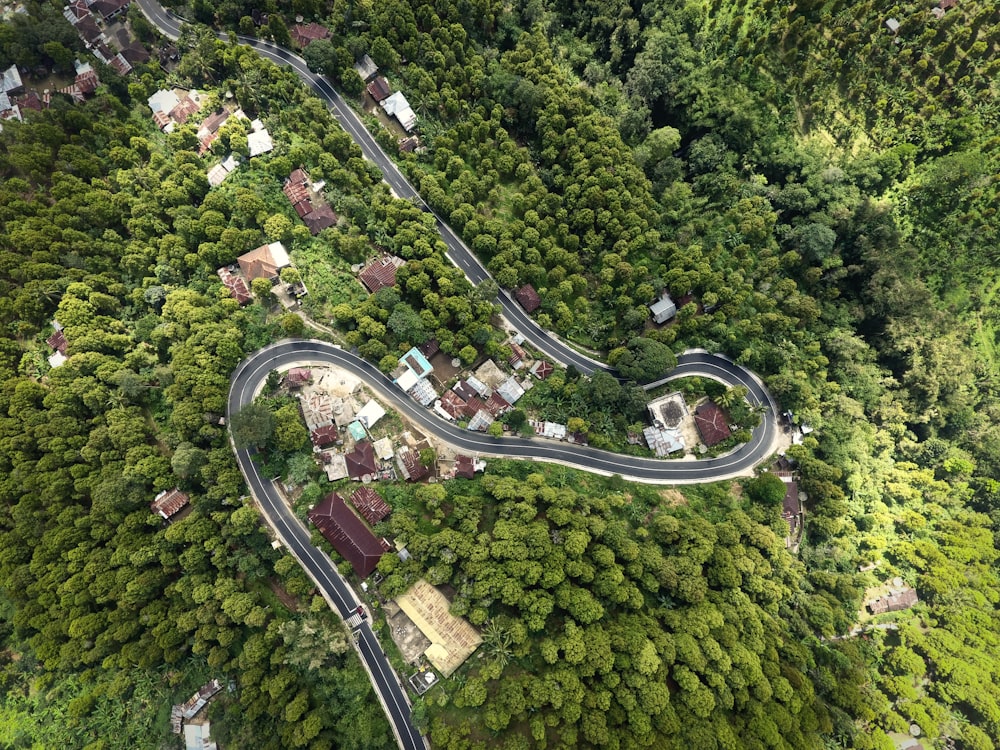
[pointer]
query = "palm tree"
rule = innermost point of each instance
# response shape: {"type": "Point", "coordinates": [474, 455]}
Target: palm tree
{"type": "Point", "coordinates": [497, 641]}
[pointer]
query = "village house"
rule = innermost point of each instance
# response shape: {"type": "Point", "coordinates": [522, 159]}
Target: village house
{"type": "Point", "coordinates": [348, 534]}
{"type": "Point", "coordinates": [378, 89]}
{"type": "Point", "coordinates": [365, 67]}
{"type": "Point", "coordinates": [361, 464]}
{"type": "Point", "coordinates": [265, 262]}
{"type": "Point", "coordinates": [663, 309]}
{"type": "Point", "coordinates": [169, 503]}
{"type": "Point", "coordinates": [235, 284]}
{"type": "Point", "coordinates": [453, 640]}
{"type": "Point", "coordinates": [370, 505]}
{"type": "Point", "coordinates": [396, 106]}
{"type": "Point", "coordinates": [304, 34]}
{"type": "Point", "coordinates": [894, 601]}
{"type": "Point", "coordinates": [711, 423]}
{"type": "Point", "coordinates": [528, 298]}
{"type": "Point", "coordinates": [380, 273]}
{"type": "Point", "coordinates": [310, 206]}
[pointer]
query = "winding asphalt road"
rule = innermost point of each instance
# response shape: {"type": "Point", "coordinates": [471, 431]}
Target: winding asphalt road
{"type": "Point", "coordinates": [252, 372]}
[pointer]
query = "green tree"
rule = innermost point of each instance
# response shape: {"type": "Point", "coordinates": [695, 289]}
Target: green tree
{"type": "Point", "coordinates": [252, 426]}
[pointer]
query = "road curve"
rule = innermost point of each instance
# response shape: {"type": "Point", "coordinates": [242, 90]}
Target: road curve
{"type": "Point", "coordinates": [252, 372]}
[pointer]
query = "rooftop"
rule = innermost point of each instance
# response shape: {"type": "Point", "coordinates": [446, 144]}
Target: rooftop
{"type": "Point", "coordinates": [361, 461]}
{"type": "Point", "coordinates": [528, 298]}
{"type": "Point", "coordinates": [370, 504]}
{"type": "Point", "coordinates": [711, 423]}
{"type": "Point", "coordinates": [380, 273]}
{"type": "Point", "coordinates": [347, 533]}
{"type": "Point", "coordinates": [168, 503]}
{"type": "Point", "coordinates": [452, 639]}
{"type": "Point", "coordinates": [265, 262]}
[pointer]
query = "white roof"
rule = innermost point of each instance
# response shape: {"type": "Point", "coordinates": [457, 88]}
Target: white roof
{"type": "Point", "coordinates": [480, 387]}
{"type": "Point", "coordinates": [511, 390]}
{"type": "Point", "coordinates": [407, 379]}
{"type": "Point", "coordinates": [366, 67]}
{"type": "Point", "coordinates": [82, 67]}
{"type": "Point", "coordinates": [163, 101]}
{"type": "Point", "coordinates": [230, 163]}
{"type": "Point", "coordinates": [370, 413]}
{"type": "Point", "coordinates": [56, 359]}
{"type": "Point", "coordinates": [383, 448]}
{"type": "Point", "coordinates": [396, 105]}
{"type": "Point", "coordinates": [216, 175]}
{"type": "Point", "coordinates": [256, 125]}
{"type": "Point", "coordinates": [423, 392]}
{"type": "Point", "coordinates": [280, 257]}
{"type": "Point", "coordinates": [259, 142]}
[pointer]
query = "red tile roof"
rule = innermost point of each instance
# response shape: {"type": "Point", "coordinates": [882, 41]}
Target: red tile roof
{"type": "Point", "coordinates": [542, 369]}
{"type": "Point", "coordinates": [473, 406]}
{"type": "Point", "coordinates": [516, 354]}
{"type": "Point", "coordinates": [323, 436]}
{"type": "Point", "coordinates": [347, 533]}
{"type": "Point", "coordinates": [370, 504]}
{"type": "Point", "coordinates": [169, 502]}
{"type": "Point", "coordinates": [298, 376]}
{"type": "Point", "coordinates": [528, 298]}
{"type": "Point", "coordinates": [184, 109]}
{"type": "Point", "coordinates": [379, 274]}
{"type": "Point", "coordinates": [320, 218]}
{"type": "Point", "coordinates": [411, 460]}
{"type": "Point", "coordinates": [497, 404]}
{"type": "Point", "coordinates": [214, 121]}
{"type": "Point", "coordinates": [790, 505]}
{"type": "Point", "coordinates": [711, 423]}
{"type": "Point", "coordinates": [87, 82]}
{"type": "Point", "coordinates": [361, 461]}
{"type": "Point", "coordinates": [379, 89]}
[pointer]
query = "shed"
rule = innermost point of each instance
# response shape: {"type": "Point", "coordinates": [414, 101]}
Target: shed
{"type": "Point", "coordinates": [663, 309]}
{"type": "Point", "coordinates": [366, 67]}
{"type": "Point", "coordinates": [528, 298]}
{"type": "Point", "coordinates": [168, 503]}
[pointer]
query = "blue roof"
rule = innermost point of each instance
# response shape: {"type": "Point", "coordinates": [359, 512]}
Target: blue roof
{"type": "Point", "coordinates": [416, 361]}
{"type": "Point", "coordinates": [357, 430]}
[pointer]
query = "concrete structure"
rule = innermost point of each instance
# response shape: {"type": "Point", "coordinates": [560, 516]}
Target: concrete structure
{"type": "Point", "coordinates": [453, 640]}
{"type": "Point", "coordinates": [370, 413]}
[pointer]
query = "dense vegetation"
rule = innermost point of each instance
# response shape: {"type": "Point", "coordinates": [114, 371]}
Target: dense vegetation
{"type": "Point", "coordinates": [822, 189]}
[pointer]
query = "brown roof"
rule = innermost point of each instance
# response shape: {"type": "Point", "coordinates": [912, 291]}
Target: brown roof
{"type": "Point", "coordinates": [790, 505]}
{"type": "Point", "coordinates": [474, 405]}
{"type": "Point", "coordinates": [258, 264]}
{"type": "Point", "coordinates": [379, 89]}
{"type": "Point", "coordinates": [88, 29]}
{"type": "Point", "coordinates": [297, 186]}
{"type": "Point", "coordinates": [893, 602]}
{"type": "Point", "coordinates": [542, 369]}
{"type": "Point", "coordinates": [497, 404]}
{"type": "Point", "coordinates": [30, 100]}
{"type": "Point", "coordinates": [429, 348]}
{"type": "Point", "coordinates": [120, 65]}
{"type": "Point", "coordinates": [305, 33]}
{"type": "Point", "coordinates": [528, 298]}
{"type": "Point", "coordinates": [58, 342]}
{"type": "Point", "coordinates": [711, 423]}
{"type": "Point", "coordinates": [79, 9]}
{"type": "Point", "coordinates": [379, 274]}
{"type": "Point", "coordinates": [347, 533]}
{"type": "Point", "coordinates": [464, 467]}
{"type": "Point", "coordinates": [184, 109]}
{"type": "Point", "coordinates": [452, 403]}
{"type": "Point", "coordinates": [465, 390]}
{"type": "Point", "coordinates": [168, 502]}
{"type": "Point", "coordinates": [516, 354]}
{"type": "Point", "coordinates": [135, 53]}
{"type": "Point", "coordinates": [370, 504]}
{"type": "Point", "coordinates": [87, 82]}
{"type": "Point", "coordinates": [411, 460]}
{"type": "Point", "coordinates": [361, 461]}
{"type": "Point", "coordinates": [326, 435]}
{"type": "Point", "coordinates": [320, 218]}
{"type": "Point", "coordinates": [303, 207]}
{"type": "Point", "coordinates": [214, 121]}
{"type": "Point", "coordinates": [109, 8]}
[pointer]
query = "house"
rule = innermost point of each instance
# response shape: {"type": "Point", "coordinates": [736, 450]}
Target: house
{"type": "Point", "coordinates": [383, 449]}
{"type": "Point", "coordinates": [320, 218]}
{"type": "Point", "coordinates": [663, 309]}
{"type": "Point", "coordinates": [894, 601]}
{"type": "Point", "coordinates": [168, 503]}
{"type": "Point", "coordinates": [422, 392]}
{"type": "Point", "coordinates": [366, 68]}
{"type": "Point", "coordinates": [415, 361]}
{"type": "Point", "coordinates": [453, 640]}
{"type": "Point", "coordinates": [11, 83]}
{"type": "Point", "coordinates": [197, 736]}
{"type": "Point", "coordinates": [335, 465]}
{"type": "Point", "coordinates": [379, 89]}
{"type": "Point", "coordinates": [370, 413]}
{"type": "Point", "coordinates": [297, 377]}
{"type": "Point", "coordinates": [711, 423]}
{"type": "Point", "coordinates": [541, 369]}
{"type": "Point", "coordinates": [318, 409]}
{"type": "Point", "coordinates": [357, 430]}
{"type": "Point", "coordinates": [380, 273]}
{"type": "Point", "coordinates": [791, 507]}
{"type": "Point", "coordinates": [348, 534]}
{"type": "Point", "coordinates": [397, 106]}
{"type": "Point", "coordinates": [259, 141]}
{"type": "Point", "coordinates": [89, 31]}
{"type": "Point", "coordinates": [309, 206]}
{"type": "Point", "coordinates": [265, 262]}
{"type": "Point", "coordinates": [481, 421]}
{"type": "Point", "coordinates": [453, 404]}
{"type": "Point", "coordinates": [490, 374]}
{"type": "Point", "coordinates": [481, 389]}
{"type": "Point", "coordinates": [194, 704]}
{"type": "Point", "coordinates": [135, 53]}
{"type": "Point", "coordinates": [163, 101]}
{"type": "Point", "coordinates": [667, 410]}
{"type": "Point", "coordinates": [511, 390]}
{"type": "Point", "coordinates": [109, 9]}
{"type": "Point", "coordinates": [324, 436]}
{"type": "Point", "coordinates": [237, 286]}
{"type": "Point", "coordinates": [361, 461]}
{"type": "Point", "coordinates": [410, 466]}
{"type": "Point", "coordinates": [409, 144]}
{"type": "Point", "coordinates": [552, 430]}
{"type": "Point", "coordinates": [892, 24]}
{"type": "Point", "coordinates": [517, 356]}
{"type": "Point", "coordinates": [497, 404]}
{"type": "Point", "coordinates": [76, 11]}
{"type": "Point", "coordinates": [370, 505]}
{"type": "Point", "coordinates": [528, 297]}
{"type": "Point", "coordinates": [304, 34]}
{"type": "Point", "coordinates": [217, 174]}
{"type": "Point", "coordinates": [466, 467]}
{"type": "Point", "coordinates": [58, 339]}
{"type": "Point", "coordinates": [663, 440]}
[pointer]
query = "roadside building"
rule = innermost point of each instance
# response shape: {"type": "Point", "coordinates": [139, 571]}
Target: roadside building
{"type": "Point", "coordinates": [528, 298]}
{"type": "Point", "coordinates": [370, 505]}
{"type": "Point", "coordinates": [711, 423]}
{"type": "Point", "coordinates": [348, 534]}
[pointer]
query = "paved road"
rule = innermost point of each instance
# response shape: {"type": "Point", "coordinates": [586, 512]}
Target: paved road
{"type": "Point", "coordinates": [253, 371]}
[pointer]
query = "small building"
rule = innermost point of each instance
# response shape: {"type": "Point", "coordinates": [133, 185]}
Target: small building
{"type": "Point", "coordinates": [490, 374]}
{"type": "Point", "coordinates": [415, 361]}
{"type": "Point", "coordinates": [194, 704]}
{"type": "Point", "coordinates": [197, 736]}
{"type": "Point", "coordinates": [217, 174]}
{"type": "Point", "coordinates": [110, 9]}
{"type": "Point", "coordinates": [320, 218]}
{"type": "Point", "coordinates": [335, 465]}
{"type": "Point", "coordinates": [298, 377]}
{"type": "Point", "coordinates": [473, 405]}
{"type": "Point", "coordinates": [357, 430]}
{"type": "Point", "coordinates": [511, 390]}
{"type": "Point", "coordinates": [453, 404]}
{"type": "Point", "coordinates": [423, 392]}
{"type": "Point", "coordinates": [481, 389]}
{"type": "Point", "coordinates": [663, 440]}
{"type": "Point", "coordinates": [259, 142]}
{"type": "Point", "coordinates": [11, 83]}
{"type": "Point", "coordinates": [318, 409]}
{"type": "Point", "coordinates": [265, 262]}
{"type": "Point", "coordinates": [892, 24]}
{"type": "Point", "coordinates": [711, 423]}
{"type": "Point", "coordinates": [894, 601]}
{"type": "Point", "coordinates": [410, 465]}
{"type": "Point", "coordinates": [453, 640]}
{"type": "Point", "coordinates": [379, 89]}
{"type": "Point", "coordinates": [496, 404]}
{"type": "Point", "coordinates": [383, 449]}
{"type": "Point", "coordinates": [169, 503]}
{"type": "Point", "coordinates": [361, 461]}
{"type": "Point", "coordinates": [481, 421]}
{"type": "Point", "coordinates": [370, 413]}
{"type": "Point", "coordinates": [552, 430]}
{"type": "Point", "coordinates": [304, 34]}
{"type": "Point", "coordinates": [528, 298]}
{"type": "Point", "coordinates": [517, 356]}
{"type": "Point", "coordinates": [370, 505]}
{"type": "Point", "coordinates": [396, 106]}
{"type": "Point", "coordinates": [380, 273]}
{"type": "Point", "coordinates": [663, 309]}
{"type": "Point", "coordinates": [366, 68]}
{"type": "Point", "coordinates": [791, 508]}
{"type": "Point", "coordinates": [348, 534]}
{"type": "Point", "coordinates": [667, 410]}
{"type": "Point", "coordinates": [465, 391]}
{"type": "Point", "coordinates": [324, 436]}
{"type": "Point", "coordinates": [466, 466]}
{"type": "Point", "coordinates": [542, 369]}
